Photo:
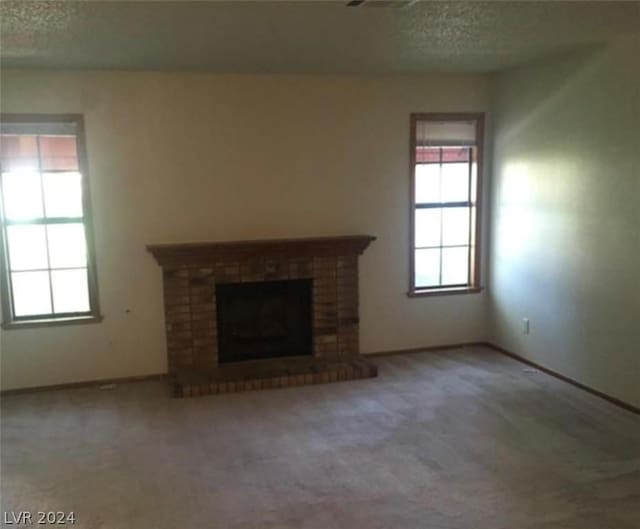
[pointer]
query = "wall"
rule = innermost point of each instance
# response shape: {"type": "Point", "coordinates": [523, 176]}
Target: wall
{"type": "Point", "coordinates": [196, 157]}
{"type": "Point", "coordinates": [566, 216]}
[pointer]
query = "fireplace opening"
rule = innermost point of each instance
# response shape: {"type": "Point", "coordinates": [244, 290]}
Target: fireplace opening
{"type": "Point", "coordinates": [266, 319]}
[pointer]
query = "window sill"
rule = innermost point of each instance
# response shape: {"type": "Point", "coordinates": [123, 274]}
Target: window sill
{"type": "Point", "coordinates": [51, 322]}
{"type": "Point", "coordinates": [443, 292]}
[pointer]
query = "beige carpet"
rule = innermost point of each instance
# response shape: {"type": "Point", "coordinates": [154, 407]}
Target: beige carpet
{"type": "Point", "coordinates": [457, 439]}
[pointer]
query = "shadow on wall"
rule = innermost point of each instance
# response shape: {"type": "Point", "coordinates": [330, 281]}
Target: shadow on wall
{"type": "Point", "coordinates": [514, 182]}
{"type": "Point", "coordinates": [570, 70]}
{"type": "Point", "coordinates": [564, 218]}
{"type": "Point", "coordinates": [522, 200]}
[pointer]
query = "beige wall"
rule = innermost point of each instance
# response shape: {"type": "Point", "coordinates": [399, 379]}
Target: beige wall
{"type": "Point", "coordinates": [566, 216]}
{"type": "Point", "coordinates": [196, 157]}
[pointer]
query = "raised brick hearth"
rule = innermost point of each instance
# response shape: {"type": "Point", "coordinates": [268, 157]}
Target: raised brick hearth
{"type": "Point", "coordinates": [190, 275]}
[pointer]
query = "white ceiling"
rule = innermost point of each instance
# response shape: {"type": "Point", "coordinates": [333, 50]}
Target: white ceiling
{"type": "Point", "coordinates": [303, 36]}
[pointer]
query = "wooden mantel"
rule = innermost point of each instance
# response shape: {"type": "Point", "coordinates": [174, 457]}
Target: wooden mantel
{"type": "Point", "coordinates": [197, 252]}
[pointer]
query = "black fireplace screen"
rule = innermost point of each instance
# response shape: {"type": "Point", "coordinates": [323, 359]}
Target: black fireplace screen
{"type": "Point", "coordinates": [263, 320]}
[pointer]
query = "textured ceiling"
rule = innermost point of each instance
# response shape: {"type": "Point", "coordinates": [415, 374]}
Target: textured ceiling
{"type": "Point", "coordinates": [302, 36]}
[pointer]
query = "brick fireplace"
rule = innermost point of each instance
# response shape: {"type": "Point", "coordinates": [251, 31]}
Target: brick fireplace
{"type": "Point", "coordinates": [198, 281]}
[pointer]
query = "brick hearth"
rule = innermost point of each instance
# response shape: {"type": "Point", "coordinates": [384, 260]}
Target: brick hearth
{"type": "Point", "coordinates": [190, 275]}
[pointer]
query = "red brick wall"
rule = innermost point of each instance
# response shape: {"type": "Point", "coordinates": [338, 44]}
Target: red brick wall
{"type": "Point", "coordinates": [190, 303]}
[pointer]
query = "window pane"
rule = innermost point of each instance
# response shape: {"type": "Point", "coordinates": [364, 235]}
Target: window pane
{"type": "Point", "coordinates": [62, 194]}
{"type": "Point", "coordinates": [455, 182]}
{"type": "Point", "coordinates": [427, 227]}
{"type": "Point", "coordinates": [19, 152]}
{"type": "Point", "coordinates": [455, 226]}
{"type": "Point", "coordinates": [58, 153]}
{"type": "Point", "coordinates": [427, 154]}
{"type": "Point", "coordinates": [27, 247]}
{"type": "Point", "coordinates": [455, 266]}
{"type": "Point", "coordinates": [455, 154]}
{"type": "Point", "coordinates": [70, 290]}
{"type": "Point", "coordinates": [31, 294]}
{"type": "Point", "coordinates": [22, 195]}
{"type": "Point", "coordinates": [67, 247]}
{"type": "Point", "coordinates": [427, 268]}
{"type": "Point", "coordinates": [427, 183]}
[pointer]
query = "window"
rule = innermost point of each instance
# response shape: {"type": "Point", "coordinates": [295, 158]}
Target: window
{"type": "Point", "coordinates": [48, 271]}
{"type": "Point", "coordinates": [446, 162]}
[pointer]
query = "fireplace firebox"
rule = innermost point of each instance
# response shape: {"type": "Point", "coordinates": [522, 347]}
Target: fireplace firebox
{"type": "Point", "coordinates": [267, 319]}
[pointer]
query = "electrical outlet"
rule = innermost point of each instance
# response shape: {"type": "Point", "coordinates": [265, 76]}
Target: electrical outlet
{"type": "Point", "coordinates": [526, 327]}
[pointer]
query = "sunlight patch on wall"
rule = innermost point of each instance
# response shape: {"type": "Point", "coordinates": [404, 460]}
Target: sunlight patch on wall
{"type": "Point", "coordinates": [515, 226]}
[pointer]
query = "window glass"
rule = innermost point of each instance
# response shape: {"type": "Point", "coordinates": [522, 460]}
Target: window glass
{"type": "Point", "coordinates": [70, 290]}
{"type": "Point", "coordinates": [427, 183]}
{"type": "Point", "coordinates": [427, 267]}
{"type": "Point", "coordinates": [46, 260]}
{"type": "Point", "coordinates": [455, 266]}
{"type": "Point", "coordinates": [27, 247]}
{"type": "Point", "coordinates": [62, 194]}
{"type": "Point", "coordinates": [31, 293]}
{"type": "Point", "coordinates": [67, 246]}
{"type": "Point", "coordinates": [22, 195]}
{"type": "Point", "coordinates": [427, 226]}
{"type": "Point", "coordinates": [445, 186]}
{"type": "Point", "coordinates": [455, 182]}
{"type": "Point", "coordinates": [455, 226]}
